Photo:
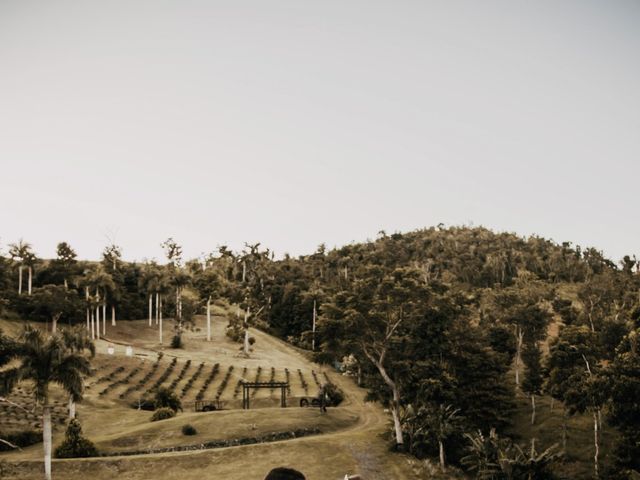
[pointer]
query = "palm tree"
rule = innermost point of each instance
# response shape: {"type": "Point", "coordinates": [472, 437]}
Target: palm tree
{"type": "Point", "coordinates": [102, 282]}
{"type": "Point", "coordinates": [77, 340]}
{"type": "Point", "coordinates": [22, 254]}
{"type": "Point", "coordinates": [44, 360]}
{"type": "Point", "coordinates": [148, 282]}
{"type": "Point", "coordinates": [162, 288]}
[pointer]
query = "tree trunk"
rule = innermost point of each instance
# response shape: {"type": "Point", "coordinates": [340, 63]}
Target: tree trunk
{"type": "Point", "coordinates": [395, 413]}
{"type": "Point", "coordinates": [596, 444]}
{"type": "Point", "coordinates": [66, 285]}
{"type": "Point", "coordinates": [246, 332]}
{"type": "Point", "coordinates": [54, 322]}
{"type": "Point", "coordinates": [113, 315]}
{"type": "Point", "coordinates": [46, 439]}
{"type": "Point", "coordinates": [157, 307]}
{"type": "Point", "coordinates": [72, 408]}
{"type": "Point", "coordinates": [564, 430]}
{"type": "Point", "coordinates": [160, 318]}
{"type": "Point", "coordinates": [93, 328]}
{"type": "Point", "coordinates": [86, 296]}
{"type": "Point", "coordinates": [104, 318]}
{"type": "Point", "coordinates": [30, 277]}
{"type": "Point", "coordinates": [533, 409]}
{"type": "Point", "coordinates": [177, 305]}
{"type": "Point", "coordinates": [313, 329]}
{"type": "Point", "coordinates": [19, 279]}
{"type": "Point", "coordinates": [209, 319]}
{"type": "Point", "coordinates": [150, 309]}
{"type": "Point", "coordinates": [395, 404]}
{"type": "Point", "coordinates": [98, 322]}
{"type": "Point", "coordinates": [441, 448]}
{"type": "Point", "coordinates": [519, 339]}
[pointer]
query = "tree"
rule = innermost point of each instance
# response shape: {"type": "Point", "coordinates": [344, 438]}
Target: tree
{"type": "Point", "coordinates": [209, 284]}
{"type": "Point", "coordinates": [77, 340]}
{"type": "Point", "coordinates": [173, 252]}
{"type": "Point", "coordinates": [45, 360]}
{"type": "Point", "coordinates": [443, 421]}
{"type": "Point", "coordinates": [102, 283]}
{"type": "Point", "coordinates": [54, 301]}
{"type": "Point", "coordinates": [624, 408]}
{"type": "Point", "coordinates": [166, 398]}
{"type": "Point", "coordinates": [22, 254]}
{"type": "Point", "coordinates": [376, 311]}
{"type": "Point", "coordinates": [533, 379]}
{"type": "Point", "coordinates": [149, 282]}
{"type": "Point", "coordinates": [75, 445]}
{"type": "Point", "coordinates": [575, 346]}
{"type": "Point", "coordinates": [66, 259]}
{"type": "Point", "coordinates": [111, 258]}
{"type": "Point", "coordinates": [112, 255]}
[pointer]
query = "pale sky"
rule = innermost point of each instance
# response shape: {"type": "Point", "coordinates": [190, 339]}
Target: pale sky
{"type": "Point", "coordinates": [299, 122]}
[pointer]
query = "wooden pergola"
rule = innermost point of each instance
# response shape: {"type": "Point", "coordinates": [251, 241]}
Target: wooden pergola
{"type": "Point", "coordinates": [247, 386]}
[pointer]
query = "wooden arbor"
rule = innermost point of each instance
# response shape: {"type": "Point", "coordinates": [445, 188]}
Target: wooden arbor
{"type": "Point", "coordinates": [247, 386]}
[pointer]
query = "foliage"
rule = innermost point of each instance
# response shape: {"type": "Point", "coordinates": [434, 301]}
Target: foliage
{"type": "Point", "coordinates": [176, 341]}
{"type": "Point", "coordinates": [335, 395]}
{"type": "Point", "coordinates": [189, 429]}
{"type": "Point", "coordinates": [495, 458]}
{"type": "Point", "coordinates": [74, 444]}
{"type": "Point", "coordinates": [163, 414]}
{"type": "Point", "coordinates": [166, 398]}
{"type": "Point", "coordinates": [23, 438]}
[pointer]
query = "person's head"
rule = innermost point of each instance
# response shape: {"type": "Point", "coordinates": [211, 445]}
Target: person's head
{"type": "Point", "coordinates": [283, 473]}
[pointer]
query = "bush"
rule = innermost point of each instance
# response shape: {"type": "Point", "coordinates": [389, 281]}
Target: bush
{"type": "Point", "coordinates": [24, 438]}
{"type": "Point", "coordinates": [189, 430]}
{"type": "Point", "coordinates": [335, 395]}
{"type": "Point", "coordinates": [75, 445]}
{"type": "Point", "coordinates": [176, 341]}
{"type": "Point", "coordinates": [162, 414]}
{"type": "Point", "coordinates": [166, 398]}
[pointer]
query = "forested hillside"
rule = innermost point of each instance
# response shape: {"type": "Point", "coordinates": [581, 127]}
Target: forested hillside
{"type": "Point", "coordinates": [448, 328]}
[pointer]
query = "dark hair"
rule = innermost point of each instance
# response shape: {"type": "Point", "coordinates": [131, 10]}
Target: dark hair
{"type": "Point", "coordinates": [283, 473]}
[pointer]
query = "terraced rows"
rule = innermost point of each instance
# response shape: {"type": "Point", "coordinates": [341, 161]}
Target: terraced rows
{"type": "Point", "coordinates": [137, 378]}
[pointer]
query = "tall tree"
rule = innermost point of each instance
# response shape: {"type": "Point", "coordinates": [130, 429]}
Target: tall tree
{"type": "Point", "coordinates": [209, 284]}
{"type": "Point", "coordinates": [66, 259]}
{"type": "Point", "coordinates": [77, 340]}
{"type": "Point", "coordinates": [569, 353]}
{"type": "Point", "coordinates": [533, 379]}
{"type": "Point", "coordinates": [54, 302]}
{"type": "Point", "coordinates": [22, 254]}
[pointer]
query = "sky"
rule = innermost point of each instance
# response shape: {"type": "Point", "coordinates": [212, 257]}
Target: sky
{"type": "Point", "coordinates": [294, 122]}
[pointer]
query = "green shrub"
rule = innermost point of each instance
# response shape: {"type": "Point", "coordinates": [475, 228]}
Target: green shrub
{"type": "Point", "coordinates": [162, 414]}
{"type": "Point", "coordinates": [75, 445]}
{"type": "Point", "coordinates": [166, 398]}
{"type": "Point", "coordinates": [189, 430]}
